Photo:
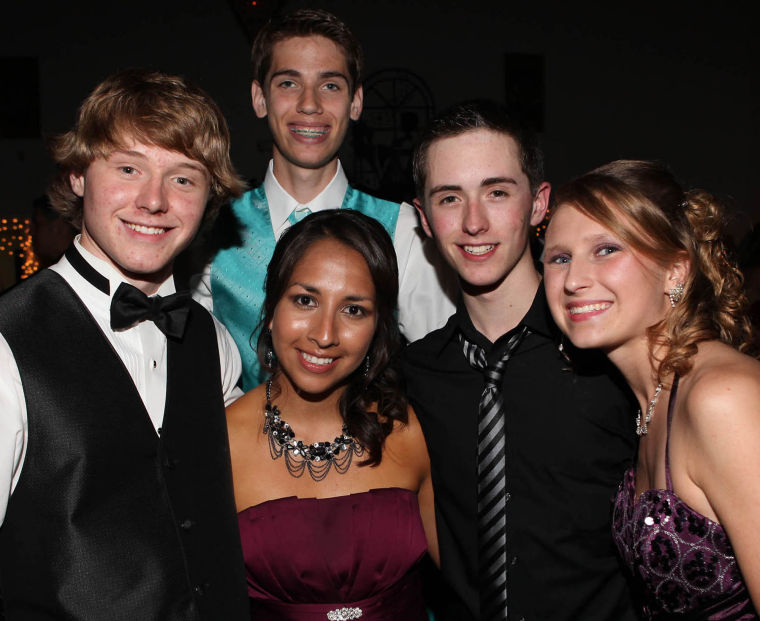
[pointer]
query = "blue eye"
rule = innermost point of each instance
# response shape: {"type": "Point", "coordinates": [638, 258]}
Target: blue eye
{"type": "Point", "coordinates": [607, 250]}
{"type": "Point", "coordinates": [559, 259]}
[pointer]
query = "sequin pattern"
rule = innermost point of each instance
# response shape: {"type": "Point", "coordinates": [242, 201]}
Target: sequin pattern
{"type": "Point", "coordinates": [684, 560]}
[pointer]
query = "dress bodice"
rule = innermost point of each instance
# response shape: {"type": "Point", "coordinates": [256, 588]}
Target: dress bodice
{"type": "Point", "coordinates": [306, 557]}
{"type": "Point", "coordinates": [682, 561]}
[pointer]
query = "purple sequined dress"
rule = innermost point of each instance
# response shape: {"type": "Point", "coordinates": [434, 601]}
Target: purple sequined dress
{"type": "Point", "coordinates": [347, 557]}
{"type": "Point", "coordinates": [682, 562]}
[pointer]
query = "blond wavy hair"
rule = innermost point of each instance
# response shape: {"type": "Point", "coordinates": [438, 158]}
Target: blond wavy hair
{"type": "Point", "coordinates": [150, 107]}
{"type": "Point", "coordinates": [641, 203]}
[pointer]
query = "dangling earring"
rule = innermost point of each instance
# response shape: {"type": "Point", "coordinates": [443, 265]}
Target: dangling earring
{"type": "Point", "coordinates": [269, 358]}
{"type": "Point", "coordinates": [366, 366]}
{"type": "Point", "coordinates": [676, 294]}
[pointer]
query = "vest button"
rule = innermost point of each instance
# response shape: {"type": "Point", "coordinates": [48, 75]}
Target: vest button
{"type": "Point", "coordinates": [186, 524]}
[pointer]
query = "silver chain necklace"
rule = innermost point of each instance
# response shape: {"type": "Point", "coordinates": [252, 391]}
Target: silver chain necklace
{"type": "Point", "coordinates": [318, 458]}
{"type": "Point", "coordinates": [641, 428]}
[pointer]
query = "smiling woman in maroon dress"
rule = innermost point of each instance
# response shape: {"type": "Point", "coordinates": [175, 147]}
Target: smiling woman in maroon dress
{"type": "Point", "coordinates": [330, 468]}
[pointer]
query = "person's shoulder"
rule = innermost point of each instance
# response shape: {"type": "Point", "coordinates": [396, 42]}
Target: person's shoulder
{"type": "Point", "coordinates": [238, 412]}
{"type": "Point", "coordinates": [723, 387]}
{"type": "Point", "coordinates": [429, 345]}
{"type": "Point", "coordinates": [375, 199]}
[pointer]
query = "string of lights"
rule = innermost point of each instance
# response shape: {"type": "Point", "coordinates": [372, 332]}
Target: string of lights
{"type": "Point", "coordinates": [16, 241]}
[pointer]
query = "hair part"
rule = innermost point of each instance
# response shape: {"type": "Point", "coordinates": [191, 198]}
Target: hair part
{"type": "Point", "coordinates": [474, 115]}
{"type": "Point", "coordinates": [152, 108]}
{"type": "Point", "coordinates": [372, 402]}
{"type": "Point", "coordinates": [641, 203]}
{"type": "Point", "coordinates": [306, 23]}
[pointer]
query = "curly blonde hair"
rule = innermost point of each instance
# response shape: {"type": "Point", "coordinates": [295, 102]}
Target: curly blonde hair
{"type": "Point", "coordinates": [642, 203]}
{"type": "Point", "coordinates": [149, 107]}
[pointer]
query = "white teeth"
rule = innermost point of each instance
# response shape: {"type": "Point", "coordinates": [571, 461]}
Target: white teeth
{"type": "Point", "coordinates": [588, 308]}
{"type": "Point", "coordinates": [478, 250]}
{"type": "Point", "coordinates": [315, 360]}
{"type": "Point", "coordinates": [309, 132]}
{"type": "Point", "coordinates": [147, 230]}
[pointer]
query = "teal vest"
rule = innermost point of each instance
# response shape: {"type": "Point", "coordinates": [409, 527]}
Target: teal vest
{"type": "Point", "coordinates": [238, 273]}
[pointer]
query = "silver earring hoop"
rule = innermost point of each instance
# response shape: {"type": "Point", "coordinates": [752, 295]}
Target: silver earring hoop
{"type": "Point", "coordinates": [676, 294]}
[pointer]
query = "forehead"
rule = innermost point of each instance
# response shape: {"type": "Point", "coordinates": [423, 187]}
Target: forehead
{"type": "Point", "coordinates": [313, 53]}
{"type": "Point", "coordinates": [474, 155]}
{"type": "Point", "coordinates": [330, 263]}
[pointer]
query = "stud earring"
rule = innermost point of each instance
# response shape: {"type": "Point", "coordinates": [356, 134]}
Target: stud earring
{"type": "Point", "coordinates": [676, 294]}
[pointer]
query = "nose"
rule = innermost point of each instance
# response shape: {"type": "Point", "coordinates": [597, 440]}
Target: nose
{"type": "Point", "coordinates": [577, 276]}
{"type": "Point", "coordinates": [151, 196]}
{"type": "Point", "coordinates": [475, 218]}
{"type": "Point", "coordinates": [324, 331]}
{"type": "Point", "coordinates": [309, 102]}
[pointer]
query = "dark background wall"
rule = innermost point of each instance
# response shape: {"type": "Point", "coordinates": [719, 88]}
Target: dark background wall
{"type": "Point", "coordinates": [648, 80]}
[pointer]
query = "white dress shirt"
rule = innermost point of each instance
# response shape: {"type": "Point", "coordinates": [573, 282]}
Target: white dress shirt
{"type": "Point", "coordinates": [427, 287]}
{"type": "Point", "coordinates": [142, 349]}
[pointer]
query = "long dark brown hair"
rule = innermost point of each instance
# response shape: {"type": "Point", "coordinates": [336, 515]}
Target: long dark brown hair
{"type": "Point", "coordinates": [373, 400]}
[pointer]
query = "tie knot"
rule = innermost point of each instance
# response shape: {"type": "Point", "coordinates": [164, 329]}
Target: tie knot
{"type": "Point", "coordinates": [129, 306]}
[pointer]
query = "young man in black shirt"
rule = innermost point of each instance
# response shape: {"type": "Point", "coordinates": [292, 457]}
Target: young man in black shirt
{"type": "Point", "coordinates": [524, 464]}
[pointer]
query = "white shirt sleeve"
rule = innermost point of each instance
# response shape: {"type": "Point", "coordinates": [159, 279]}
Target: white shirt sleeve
{"type": "Point", "coordinates": [427, 285]}
{"type": "Point", "coordinates": [13, 425]}
{"type": "Point", "coordinates": [229, 360]}
{"type": "Point", "coordinates": [200, 286]}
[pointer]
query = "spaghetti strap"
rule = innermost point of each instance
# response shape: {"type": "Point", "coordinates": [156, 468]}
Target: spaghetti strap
{"type": "Point", "coordinates": [671, 406]}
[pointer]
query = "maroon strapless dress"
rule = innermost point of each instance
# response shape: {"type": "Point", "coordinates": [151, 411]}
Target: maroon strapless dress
{"type": "Point", "coordinates": [346, 557]}
{"type": "Point", "coordinates": [682, 561]}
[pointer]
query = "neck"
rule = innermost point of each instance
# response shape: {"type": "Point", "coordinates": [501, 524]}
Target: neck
{"type": "Point", "coordinates": [314, 417]}
{"type": "Point", "coordinates": [303, 184]}
{"type": "Point", "coordinates": [634, 362]}
{"type": "Point", "coordinates": [496, 311]}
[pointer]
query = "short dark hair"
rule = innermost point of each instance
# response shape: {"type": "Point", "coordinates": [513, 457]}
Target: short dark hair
{"type": "Point", "coordinates": [165, 110]}
{"type": "Point", "coordinates": [479, 114]}
{"type": "Point", "coordinates": [306, 23]}
{"type": "Point", "coordinates": [381, 386]}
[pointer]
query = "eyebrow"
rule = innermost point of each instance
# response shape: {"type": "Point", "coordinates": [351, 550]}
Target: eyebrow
{"type": "Point", "coordinates": [483, 184]}
{"type": "Point", "coordinates": [293, 73]}
{"type": "Point", "coordinates": [197, 166]}
{"type": "Point", "coordinates": [350, 298]}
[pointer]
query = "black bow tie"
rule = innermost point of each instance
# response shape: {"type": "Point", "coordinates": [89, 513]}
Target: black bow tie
{"type": "Point", "coordinates": [130, 306]}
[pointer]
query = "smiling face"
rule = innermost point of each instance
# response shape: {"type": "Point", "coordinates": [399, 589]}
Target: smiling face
{"type": "Point", "coordinates": [142, 205]}
{"type": "Point", "coordinates": [601, 292]}
{"type": "Point", "coordinates": [308, 101]}
{"type": "Point", "coordinates": [324, 323]}
{"type": "Point", "coordinates": [478, 206]}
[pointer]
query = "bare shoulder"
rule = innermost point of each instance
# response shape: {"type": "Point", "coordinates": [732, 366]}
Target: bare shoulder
{"type": "Point", "coordinates": [722, 393]}
{"type": "Point", "coordinates": [241, 414]}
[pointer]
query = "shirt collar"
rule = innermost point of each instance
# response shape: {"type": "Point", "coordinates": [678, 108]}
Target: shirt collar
{"type": "Point", "coordinates": [281, 204]}
{"type": "Point", "coordinates": [538, 319]}
{"type": "Point", "coordinates": [82, 285]}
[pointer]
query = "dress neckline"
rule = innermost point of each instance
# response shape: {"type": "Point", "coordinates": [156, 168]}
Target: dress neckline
{"type": "Point", "coordinates": [325, 499]}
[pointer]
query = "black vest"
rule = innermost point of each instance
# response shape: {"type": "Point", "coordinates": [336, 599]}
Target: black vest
{"type": "Point", "coordinates": [109, 521]}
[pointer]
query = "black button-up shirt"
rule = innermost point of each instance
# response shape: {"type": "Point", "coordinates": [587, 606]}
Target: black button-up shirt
{"type": "Point", "coordinates": [570, 436]}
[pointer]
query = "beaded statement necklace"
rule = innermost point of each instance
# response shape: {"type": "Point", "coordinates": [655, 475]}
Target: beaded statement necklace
{"type": "Point", "coordinates": [317, 458]}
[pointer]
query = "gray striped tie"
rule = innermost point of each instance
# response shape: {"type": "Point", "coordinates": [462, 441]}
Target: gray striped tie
{"type": "Point", "coordinates": [492, 498]}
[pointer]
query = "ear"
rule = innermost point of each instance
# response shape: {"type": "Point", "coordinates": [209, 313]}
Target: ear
{"type": "Point", "coordinates": [258, 99]}
{"type": "Point", "coordinates": [77, 184]}
{"type": "Point", "coordinates": [356, 104]}
{"type": "Point", "coordinates": [423, 217]}
{"type": "Point", "coordinates": [678, 272]}
{"type": "Point", "coordinates": [540, 204]}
